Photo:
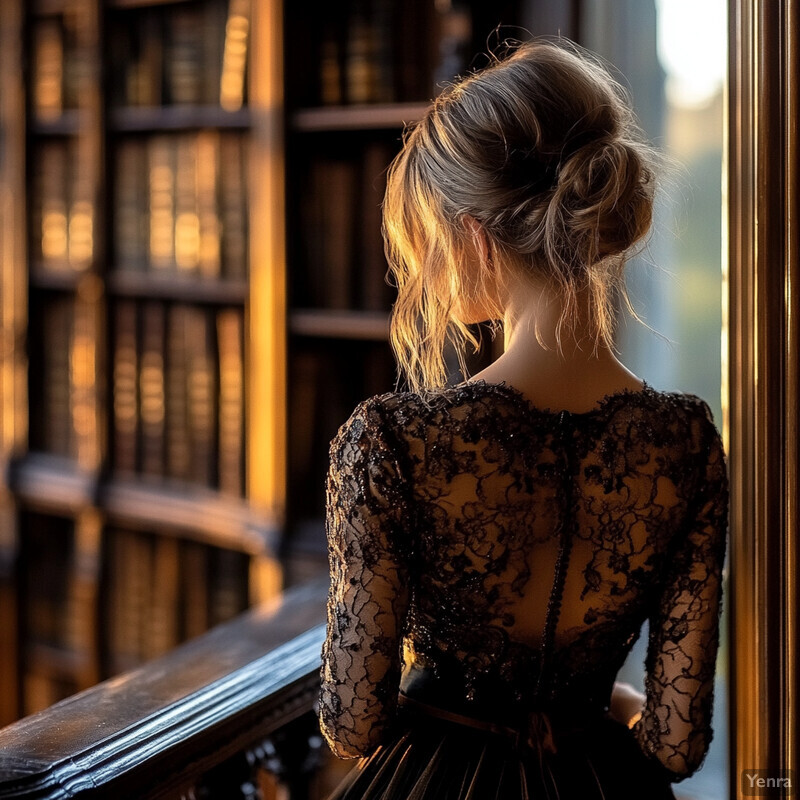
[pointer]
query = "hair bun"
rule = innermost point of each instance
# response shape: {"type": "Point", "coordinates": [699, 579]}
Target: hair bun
{"type": "Point", "coordinates": [602, 203]}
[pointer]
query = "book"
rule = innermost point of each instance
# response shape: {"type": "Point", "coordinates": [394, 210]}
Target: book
{"type": "Point", "coordinates": [122, 601]}
{"type": "Point", "coordinates": [50, 202]}
{"type": "Point", "coordinates": [131, 197]}
{"type": "Point", "coordinates": [306, 382]}
{"type": "Point", "coordinates": [233, 204]}
{"type": "Point", "coordinates": [45, 553]}
{"type": "Point", "coordinates": [178, 434]}
{"type": "Point", "coordinates": [230, 339]}
{"type": "Point", "coordinates": [361, 75]}
{"type": "Point", "coordinates": [331, 78]}
{"type": "Point", "coordinates": [77, 69]}
{"type": "Point", "coordinates": [138, 581]}
{"type": "Point", "coordinates": [207, 182]}
{"type": "Point", "coordinates": [414, 53]}
{"type": "Point", "coordinates": [139, 51]}
{"type": "Point", "coordinates": [183, 55]}
{"type": "Point", "coordinates": [329, 241]}
{"type": "Point", "coordinates": [80, 241]}
{"type": "Point", "coordinates": [374, 292]}
{"type": "Point", "coordinates": [48, 69]}
{"type": "Point", "coordinates": [152, 389]}
{"type": "Point", "coordinates": [385, 31]}
{"type": "Point", "coordinates": [161, 153]}
{"type": "Point", "coordinates": [194, 578]}
{"type": "Point", "coordinates": [176, 211]}
{"type": "Point", "coordinates": [125, 397]}
{"type": "Point", "coordinates": [202, 394]}
{"type": "Point", "coordinates": [234, 56]}
{"type": "Point", "coordinates": [187, 220]}
{"type": "Point", "coordinates": [162, 623]}
{"type": "Point", "coordinates": [339, 234]}
{"type": "Point", "coordinates": [214, 35]}
{"type": "Point", "coordinates": [57, 434]}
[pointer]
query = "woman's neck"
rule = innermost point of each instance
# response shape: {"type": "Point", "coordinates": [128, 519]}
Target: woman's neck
{"type": "Point", "coordinates": [566, 368]}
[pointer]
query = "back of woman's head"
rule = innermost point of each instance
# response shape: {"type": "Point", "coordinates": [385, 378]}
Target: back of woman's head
{"type": "Point", "coordinates": [542, 151]}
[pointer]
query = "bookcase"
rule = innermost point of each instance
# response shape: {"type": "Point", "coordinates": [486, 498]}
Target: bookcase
{"type": "Point", "coordinates": [194, 298]}
{"type": "Point", "coordinates": [353, 80]}
{"type": "Point", "coordinates": [143, 355]}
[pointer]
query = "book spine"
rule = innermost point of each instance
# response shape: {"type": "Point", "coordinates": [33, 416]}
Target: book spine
{"type": "Point", "coordinates": [58, 394]}
{"type": "Point", "coordinates": [48, 69]}
{"type": "Point", "coordinates": [233, 206]}
{"type": "Point", "coordinates": [230, 337]}
{"type": "Point", "coordinates": [194, 580]}
{"type": "Point", "coordinates": [80, 241]}
{"type": "Point", "coordinates": [76, 66]}
{"type": "Point", "coordinates": [338, 232]}
{"type": "Point", "coordinates": [161, 634]}
{"type": "Point", "coordinates": [311, 289]}
{"type": "Point", "coordinates": [145, 79]}
{"type": "Point", "coordinates": [151, 389]}
{"type": "Point", "coordinates": [178, 434]}
{"type": "Point", "coordinates": [374, 289]}
{"type": "Point", "coordinates": [330, 76]}
{"type": "Point", "coordinates": [49, 207]}
{"type": "Point", "coordinates": [124, 389]}
{"type": "Point", "coordinates": [184, 56]}
{"type": "Point", "coordinates": [130, 204]}
{"type": "Point", "coordinates": [161, 185]}
{"type": "Point", "coordinates": [383, 53]}
{"type": "Point", "coordinates": [202, 392]}
{"type": "Point", "coordinates": [234, 56]}
{"type": "Point", "coordinates": [120, 622]}
{"type": "Point", "coordinates": [361, 58]}
{"type": "Point", "coordinates": [46, 552]}
{"type": "Point", "coordinates": [187, 221]}
{"type": "Point", "coordinates": [207, 180]}
{"type": "Point", "coordinates": [214, 35]}
{"type": "Point", "coordinates": [139, 583]}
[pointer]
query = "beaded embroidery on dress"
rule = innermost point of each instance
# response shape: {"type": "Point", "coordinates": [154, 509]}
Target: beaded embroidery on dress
{"type": "Point", "coordinates": [492, 564]}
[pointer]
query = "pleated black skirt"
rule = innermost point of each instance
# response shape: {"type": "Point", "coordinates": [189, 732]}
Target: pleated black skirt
{"type": "Point", "coordinates": [429, 758]}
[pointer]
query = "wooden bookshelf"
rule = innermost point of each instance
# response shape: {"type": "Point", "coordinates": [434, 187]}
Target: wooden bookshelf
{"type": "Point", "coordinates": [159, 118]}
{"type": "Point", "coordinates": [194, 299]}
{"type": "Point", "coordinates": [389, 116]}
{"type": "Point", "coordinates": [325, 323]}
{"type": "Point", "coordinates": [365, 71]}
{"type": "Point", "coordinates": [213, 291]}
{"type": "Point", "coordinates": [132, 511]}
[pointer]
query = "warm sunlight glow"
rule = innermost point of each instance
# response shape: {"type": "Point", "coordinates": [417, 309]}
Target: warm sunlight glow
{"type": "Point", "coordinates": [692, 48]}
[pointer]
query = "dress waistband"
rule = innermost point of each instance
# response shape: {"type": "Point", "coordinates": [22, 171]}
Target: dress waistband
{"type": "Point", "coordinates": [536, 734]}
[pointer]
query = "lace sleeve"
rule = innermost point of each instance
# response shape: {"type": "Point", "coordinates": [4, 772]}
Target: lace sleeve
{"type": "Point", "coordinates": [367, 513]}
{"type": "Point", "coordinates": [675, 730]}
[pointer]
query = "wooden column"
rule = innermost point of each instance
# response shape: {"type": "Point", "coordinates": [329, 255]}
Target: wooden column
{"type": "Point", "coordinates": [13, 308]}
{"type": "Point", "coordinates": [266, 309]}
{"type": "Point", "coordinates": [763, 292]}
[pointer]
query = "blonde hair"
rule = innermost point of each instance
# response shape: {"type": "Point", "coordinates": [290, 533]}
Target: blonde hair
{"type": "Point", "coordinates": [540, 148]}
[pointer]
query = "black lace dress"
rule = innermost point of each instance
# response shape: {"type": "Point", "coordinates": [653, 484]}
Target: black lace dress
{"type": "Point", "coordinates": [492, 564]}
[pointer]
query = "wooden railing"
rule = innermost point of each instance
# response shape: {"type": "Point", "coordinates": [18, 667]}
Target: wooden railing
{"type": "Point", "coordinates": [197, 723]}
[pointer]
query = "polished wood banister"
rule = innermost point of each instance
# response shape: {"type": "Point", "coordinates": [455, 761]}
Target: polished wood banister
{"type": "Point", "coordinates": [158, 730]}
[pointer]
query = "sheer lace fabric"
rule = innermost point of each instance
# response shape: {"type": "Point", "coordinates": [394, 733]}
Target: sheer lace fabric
{"type": "Point", "coordinates": [522, 549]}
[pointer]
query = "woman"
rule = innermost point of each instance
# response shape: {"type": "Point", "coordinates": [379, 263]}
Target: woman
{"type": "Point", "coordinates": [496, 546]}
